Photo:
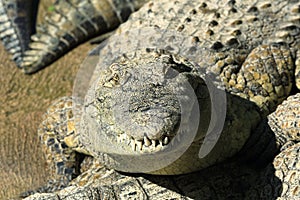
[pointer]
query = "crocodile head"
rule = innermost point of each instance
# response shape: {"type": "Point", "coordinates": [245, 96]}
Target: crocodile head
{"type": "Point", "coordinates": [141, 106]}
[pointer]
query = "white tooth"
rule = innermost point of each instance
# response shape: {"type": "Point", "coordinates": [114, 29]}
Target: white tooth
{"type": "Point", "coordinates": [147, 141]}
{"type": "Point", "coordinates": [153, 143]}
{"type": "Point", "coordinates": [160, 142]}
{"type": "Point", "coordinates": [165, 140]}
{"type": "Point", "coordinates": [132, 143]}
{"type": "Point", "coordinates": [139, 144]}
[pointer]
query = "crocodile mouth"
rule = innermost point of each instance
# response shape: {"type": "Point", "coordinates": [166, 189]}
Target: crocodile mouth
{"type": "Point", "coordinates": [144, 145]}
{"type": "Point", "coordinates": [144, 113]}
{"type": "Point", "coordinates": [141, 114]}
{"type": "Point", "coordinates": [148, 122]}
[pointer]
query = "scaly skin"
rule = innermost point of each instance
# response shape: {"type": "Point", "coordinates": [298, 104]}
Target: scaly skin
{"type": "Point", "coordinates": [72, 23]}
{"type": "Point", "coordinates": [17, 24]}
{"type": "Point", "coordinates": [234, 180]}
{"type": "Point", "coordinates": [256, 67]}
{"type": "Point", "coordinates": [69, 24]}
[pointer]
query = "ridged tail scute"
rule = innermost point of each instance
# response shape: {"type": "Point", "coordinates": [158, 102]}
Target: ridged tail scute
{"type": "Point", "coordinates": [72, 23]}
{"type": "Point", "coordinates": [17, 24]}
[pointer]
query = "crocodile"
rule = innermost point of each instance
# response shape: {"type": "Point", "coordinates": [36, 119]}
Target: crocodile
{"type": "Point", "coordinates": [169, 64]}
{"type": "Point", "coordinates": [140, 102]}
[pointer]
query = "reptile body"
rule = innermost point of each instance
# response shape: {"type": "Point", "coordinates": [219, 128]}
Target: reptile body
{"type": "Point", "coordinates": [151, 76]}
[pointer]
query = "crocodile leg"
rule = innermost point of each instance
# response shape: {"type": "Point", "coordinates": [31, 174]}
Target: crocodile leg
{"type": "Point", "coordinates": [60, 145]}
{"type": "Point", "coordinates": [285, 123]}
{"type": "Point", "coordinates": [70, 24]}
{"type": "Point", "coordinates": [17, 24]}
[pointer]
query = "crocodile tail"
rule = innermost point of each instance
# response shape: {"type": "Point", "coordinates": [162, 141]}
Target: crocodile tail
{"type": "Point", "coordinates": [17, 24]}
{"type": "Point", "coordinates": [72, 23]}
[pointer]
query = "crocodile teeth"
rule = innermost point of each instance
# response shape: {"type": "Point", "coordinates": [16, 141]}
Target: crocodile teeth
{"type": "Point", "coordinates": [159, 145]}
{"type": "Point", "coordinates": [145, 144]}
{"type": "Point", "coordinates": [165, 141]}
{"type": "Point", "coordinates": [147, 141]}
{"type": "Point", "coordinates": [160, 142]}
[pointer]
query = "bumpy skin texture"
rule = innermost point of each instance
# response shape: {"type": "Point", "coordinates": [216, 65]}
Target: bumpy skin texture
{"type": "Point", "coordinates": [17, 24]}
{"type": "Point", "coordinates": [69, 24]}
{"type": "Point", "coordinates": [233, 180]}
{"type": "Point", "coordinates": [249, 47]}
{"type": "Point", "coordinates": [285, 120]}
{"type": "Point", "coordinates": [258, 67]}
{"type": "Point", "coordinates": [229, 180]}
